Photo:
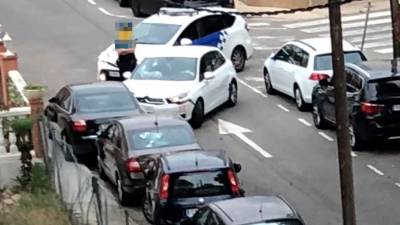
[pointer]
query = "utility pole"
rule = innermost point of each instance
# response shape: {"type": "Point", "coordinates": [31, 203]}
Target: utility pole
{"type": "Point", "coordinates": [395, 11]}
{"type": "Point", "coordinates": [342, 123]}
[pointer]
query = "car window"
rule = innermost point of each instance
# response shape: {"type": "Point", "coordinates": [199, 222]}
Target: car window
{"type": "Point", "coordinates": [200, 184]}
{"type": "Point", "coordinates": [105, 102]}
{"type": "Point", "coordinates": [353, 81]}
{"type": "Point", "coordinates": [190, 32]}
{"type": "Point", "coordinates": [200, 218]}
{"type": "Point", "coordinates": [110, 133]}
{"type": "Point", "coordinates": [212, 24]}
{"type": "Point", "coordinates": [167, 68]}
{"type": "Point", "coordinates": [65, 102]}
{"type": "Point", "coordinates": [211, 62]}
{"type": "Point", "coordinates": [324, 62]}
{"type": "Point", "coordinates": [284, 54]}
{"type": "Point", "coordinates": [161, 137]}
{"type": "Point", "coordinates": [155, 33]}
{"type": "Point", "coordinates": [228, 20]}
{"type": "Point", "coordinates": [299, 56]}
{"type": "Point", "coordinates": [117, 137]}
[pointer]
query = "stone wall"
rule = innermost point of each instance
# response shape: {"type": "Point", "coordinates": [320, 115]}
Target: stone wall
{"type": "Point", "coordinates": [291, 4]}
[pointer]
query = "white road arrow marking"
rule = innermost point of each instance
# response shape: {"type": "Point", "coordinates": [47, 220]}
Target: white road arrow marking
{"type": "Point", "coordinates": [226, 127]}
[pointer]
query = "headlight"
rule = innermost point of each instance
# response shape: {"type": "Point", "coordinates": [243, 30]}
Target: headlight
{"type": "Point", "coordinates": [182, 98]}
{"type": "Point", "coordinates": [102, 76]}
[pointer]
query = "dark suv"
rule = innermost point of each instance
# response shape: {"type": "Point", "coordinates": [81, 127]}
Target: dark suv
{"type": "Point", "coordinates": [181, 182]}
{"type": "Point", "coordinates": [373, 96]}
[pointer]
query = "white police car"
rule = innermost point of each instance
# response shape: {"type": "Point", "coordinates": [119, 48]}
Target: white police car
{"type": "Point", "coordinates": [179, 26]}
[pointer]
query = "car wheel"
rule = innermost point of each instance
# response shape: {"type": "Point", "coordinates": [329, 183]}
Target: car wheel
{"type": "Point", "coordinates": [356, 143]}
{"type": "Point", "coordinates": [147, 210]}
{"type": "Point", "coordinates": [298, 96]}
{"type": "Point", "coordinates": [68, 155]}
{"type": "Point", "coordinates": [197, 114]}
{"type": "Point", "coordinates": [233, 94]}
{"type": "Point", "coordinates": [123, 3]}
{"type": "Point", "coordinates": [319, 120]}
{"type": "Point", "coordinates": [135, 6]}
{"type": "Point", "coordinates": [268, 84]}
{"type": "Point", "coordinates": [123, 197]}
{"type": "Point", "coordinates": [238, 58]}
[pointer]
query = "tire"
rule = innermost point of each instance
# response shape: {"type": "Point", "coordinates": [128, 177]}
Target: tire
{"type": "Point", "coordinates": [197, 114]}
{"type": "Point", "coordinates": [318, 118]}
{"type": "Point", "coordinates": [123, 3]}
{"type": "Point", "coordinates": [233, 94]}
{"type": "Point", "coordinates": [135, 6]}
{"type": "Point", "coordinates": [67, 154]}
{"type": "Point", "coordinates": [238, 58]}
{"type": "Point", "coordinates": [356, 142]}
{"type": "Point", "coordinates": [146, 209]}
{"type": "Point", "coordinates": [298, 96]}
{"type": "Point", "coordinates": [268, 84]}
{"type": "Point", "coordinates": [123, 197]}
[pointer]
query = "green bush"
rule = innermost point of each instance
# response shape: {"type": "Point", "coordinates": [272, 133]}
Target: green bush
{"type": "Point", "coordinates": [22, 128]}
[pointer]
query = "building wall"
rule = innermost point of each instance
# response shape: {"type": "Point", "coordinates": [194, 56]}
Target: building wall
{"type": "Point", "coordinates": [291, 4]}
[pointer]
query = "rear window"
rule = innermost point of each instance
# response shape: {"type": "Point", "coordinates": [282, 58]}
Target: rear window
{"type": "Point", "coordinates": [161, 137]}
{"type": "Point", "coordinates": [324, 62]}
{"type": "Point", "coordinates": [383, 89]}
{"type": "Point", "coordinates": [105, 102]}
{"type": "Point", "coordinates": [200, 184]}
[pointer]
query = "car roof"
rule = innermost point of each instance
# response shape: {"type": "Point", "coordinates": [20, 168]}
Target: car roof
{"type": "Point", "coordinates": [145, 121]}
{"type": "Point", "coordinates": [97, 87]}
{"type": "Point", "coordinates": [186, 51]}
{"type": "Point", "coordinates": [254, 209]}
{"type": "Point", "coordinates": [323, 45]}
{"type": "Point", "coordinates": [182, 16]}
{"type": "Point", "coordinates": [189, 161]}
{"type": "Point", "coordinates": [376, 69]}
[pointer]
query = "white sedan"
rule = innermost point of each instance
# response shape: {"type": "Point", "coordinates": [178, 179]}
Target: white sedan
{"type": "Point", "coordinates": [189, 81]}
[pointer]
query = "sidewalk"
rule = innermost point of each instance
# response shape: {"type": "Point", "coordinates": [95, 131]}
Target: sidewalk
{"type": "Point", "coordinates": [354, 8]}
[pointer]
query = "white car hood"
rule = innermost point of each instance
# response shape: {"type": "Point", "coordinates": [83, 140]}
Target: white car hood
{"type": "Point", "coordinates": [159, 89]}
{"type": "Point", "coordinates": [141, 51]}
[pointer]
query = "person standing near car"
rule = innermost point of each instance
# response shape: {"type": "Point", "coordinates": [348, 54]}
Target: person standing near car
{"type": "Point", "coordinates": [125, 47]}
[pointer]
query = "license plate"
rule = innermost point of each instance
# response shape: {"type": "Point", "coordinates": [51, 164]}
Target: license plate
{"type": "Point", "coordinates": [396, 108]}
{"type": "Point", "coordinates": [190, 212]}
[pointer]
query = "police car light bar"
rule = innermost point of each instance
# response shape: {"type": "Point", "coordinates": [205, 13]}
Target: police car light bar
{"type": "Point", "coordinates": [176, 11]}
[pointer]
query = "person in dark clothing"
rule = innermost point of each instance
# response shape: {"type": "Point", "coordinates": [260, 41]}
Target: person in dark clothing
{"type": "Point", "coordinates": [126, 61]}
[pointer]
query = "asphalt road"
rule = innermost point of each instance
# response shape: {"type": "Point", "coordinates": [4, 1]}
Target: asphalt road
{"type": "Point", "coordinates": [58, 42]}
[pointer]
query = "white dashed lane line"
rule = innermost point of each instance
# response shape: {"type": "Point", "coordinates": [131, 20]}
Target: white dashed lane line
{"type": "Point", "coordinates": [327, 137]}
{"type": "Point", "coordinates": [252, 88]}
{"type": "Point", "coordinates": [303, 121]}
{"type": "Point", "coordinates": [283, 108]}
{"type": "Point", "coordinates": [397, 184]}
{"type": "Point", "coordinates": [375, 170]}
{"type": "Point", "coordinates": [261, 24]}
{"type": "Point", "coordinates": [113, 15]}
{"type": "Point", "coordinates": [92, 2]}
{"type": "Point", "coordinates": [353, 154]}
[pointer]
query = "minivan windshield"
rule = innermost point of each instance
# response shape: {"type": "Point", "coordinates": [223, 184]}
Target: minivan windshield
{"type": "Point", "coordinates": [155, 33]}
{"type": "Point", "coordinates": [161, 137]}
{"type": "Point", "coordinates": [200, 184]}
{"type": "Point", "coordinates": [324, 62]}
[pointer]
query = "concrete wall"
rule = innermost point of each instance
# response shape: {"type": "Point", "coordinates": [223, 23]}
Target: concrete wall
{"type": "Point", "coordinates": [291, 4]}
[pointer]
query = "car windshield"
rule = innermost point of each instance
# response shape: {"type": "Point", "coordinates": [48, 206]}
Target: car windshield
{"type": "Point", "coordinates": [155, 33]}
{"type": "Point", "coordinates": [324, 62]}
{"type": "Point", "coordinates": [105, 102]}
{"type": "Point", "coordinates": [161, 137]}
{"type": "Point", "coordinates": [283, 222]}
{"type": "Point", "coordinates": [168, 68]}
{"type": "Point", "coordinates": [200, 184]}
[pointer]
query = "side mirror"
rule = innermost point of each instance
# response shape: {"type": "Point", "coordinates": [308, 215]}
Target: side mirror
{"type": "Point", "coordinates": [208, 75]}
{"type": "Point", "coordinates": [53, 100]}
{"type": "Point", "coordinates": [127, 75]}
{"type": "Point", "coordinates": [185, 41]}
{"type": "Point", "coordinates": [237, 167]}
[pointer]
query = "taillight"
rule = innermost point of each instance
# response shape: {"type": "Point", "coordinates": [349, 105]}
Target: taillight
{"type": "Point", "coordinates": [133, 166]}
{"type": "Point", "coordinates": [233, 182]}
{"type": "Point", "coordinates": [79, 126]}
{"type": "Point", "coordinates": [318, 76]}
{"type": "Point", "coordinates": [371, 109]}
{"type": "Point", "coordinates": [164, 187]}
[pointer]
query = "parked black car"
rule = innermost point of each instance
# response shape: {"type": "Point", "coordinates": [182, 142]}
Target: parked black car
{"type": "Point", "coordinates": [181, 182]}
{"type": "Point", "coordinates": [148, 7]}
{"type": "Point", "coordinates": [260, 210]}
{"type": "Point", "coordinates": [373, 94]}
{"type": "Point", "coordinates": [126, 145]}
{"type": "Point", "coordinates": [79, 109]}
